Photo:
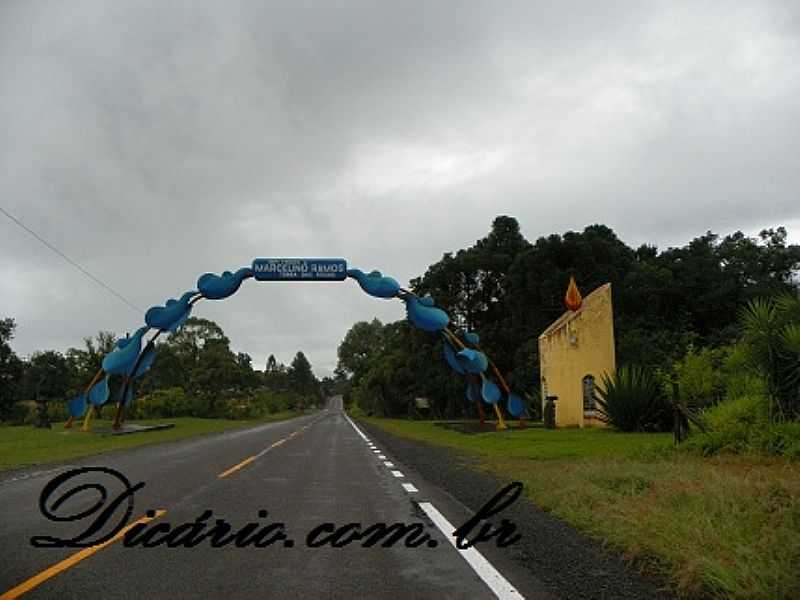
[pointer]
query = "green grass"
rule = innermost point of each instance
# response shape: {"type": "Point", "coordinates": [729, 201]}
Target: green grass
{"type": "Point", "coordinates": [533, 442]}
{"type": "Point", "coordinates": [22, 446]}
{"type": "Point", "coordinates": [722, 527]}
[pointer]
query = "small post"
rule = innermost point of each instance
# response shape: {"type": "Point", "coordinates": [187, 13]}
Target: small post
{"type": "Point", "coordinates": [679, 420]}
{"type": "Point", "coordinates": [549, 415]}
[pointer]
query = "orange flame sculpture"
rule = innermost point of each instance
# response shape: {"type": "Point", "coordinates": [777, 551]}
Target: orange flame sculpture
{"type": "Point", "coordinates": [573, 298]}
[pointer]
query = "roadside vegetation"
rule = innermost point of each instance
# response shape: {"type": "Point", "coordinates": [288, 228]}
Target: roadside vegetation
{"type": "Point", "coordinates": [27, 446]}
{"type": "Point", "coordinates": [195, 374]}
{"type": "Point", "coordinates": [717, 527]}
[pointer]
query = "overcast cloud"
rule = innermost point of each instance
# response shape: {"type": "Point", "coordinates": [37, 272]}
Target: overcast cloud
{"type": "Point", "coordinates": [153, 142]}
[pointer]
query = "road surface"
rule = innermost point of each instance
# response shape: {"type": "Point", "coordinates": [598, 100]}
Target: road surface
{"type": "Point", "coordinates": [306, 472]}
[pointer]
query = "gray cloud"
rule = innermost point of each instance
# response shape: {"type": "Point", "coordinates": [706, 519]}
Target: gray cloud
{"type": "Point", "coordinates": [154, 142]}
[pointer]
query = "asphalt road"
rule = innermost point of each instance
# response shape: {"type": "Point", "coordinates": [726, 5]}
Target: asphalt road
{"type": "Point", "coordinates": [304, 472]}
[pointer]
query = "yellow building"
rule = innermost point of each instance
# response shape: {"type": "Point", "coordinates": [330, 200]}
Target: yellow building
{"type": "Point", "coordinates": [575, 352]}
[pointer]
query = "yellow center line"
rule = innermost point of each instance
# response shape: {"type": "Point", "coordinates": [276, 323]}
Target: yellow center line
{"type": "Point", "coordinates": [250, 459]}
{"type": "Point", "coordinates": [71, 561]}
{"type": "Point", "coordinates": [235, 468]}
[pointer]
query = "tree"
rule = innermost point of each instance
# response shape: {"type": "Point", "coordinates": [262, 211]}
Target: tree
{"type": "Point", "coordinates": [508, 291]}
{"type": "Point", "coordinates": [360, 345]}
{"type": "Point", "coordinates": [47, 378]}
{"type": "Point", "coordinates": [216, 372]}
{"type": "Point", "coordinates": [10, 368]}
{"type": "Point", "coordinates": [302, 378]}
{"type": "Point", "coordinates": [85, 362]}
{"type": "Point", "coordinates": [193, 335]}
{"type": "Point", "coordinates": [168, 371]}
{"type": "Point", "coordinates": [248, 377]}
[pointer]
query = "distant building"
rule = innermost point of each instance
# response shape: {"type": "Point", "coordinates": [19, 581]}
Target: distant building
{"type": "Point", "coordinates": [575, 352]}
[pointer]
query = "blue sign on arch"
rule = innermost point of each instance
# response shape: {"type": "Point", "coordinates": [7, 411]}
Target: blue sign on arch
{"type": "Point", "coordinates": [300, 269]}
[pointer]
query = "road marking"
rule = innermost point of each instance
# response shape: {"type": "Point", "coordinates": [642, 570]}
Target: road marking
{"type": "Point", "coordinates": [409, 487]}
{"type": "Point", "coordinates": [270, 447]}
{"type": "Point", "coordinates": [491, 577]}
{"type": "Point", "coordinates": [50, 572]}
{"type": "Point", "coordinates": [235, 468]}
{"type": "Point", "coordinates": [377, 451]}
{"type": "Point", "coordinates": [382, 456]}
{"type": "Point", "coordinates": [250, 459]}
{"type": "Point", "coordinates": [358, 431]}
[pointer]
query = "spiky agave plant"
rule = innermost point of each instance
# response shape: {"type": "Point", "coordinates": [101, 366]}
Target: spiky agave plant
{"type": "Point", "coordinates": [633, 400]}
{"type": "Point", "coordinates": [771, 331]}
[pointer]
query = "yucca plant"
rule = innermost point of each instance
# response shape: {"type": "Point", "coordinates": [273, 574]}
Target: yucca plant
{"type": "Point", "coordinates": [633, 400]}
{"type": "Point", "coordinates": [772, 337]}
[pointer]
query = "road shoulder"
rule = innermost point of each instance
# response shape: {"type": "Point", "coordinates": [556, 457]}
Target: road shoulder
{"type": "Point", "coordinates": [566, 562]}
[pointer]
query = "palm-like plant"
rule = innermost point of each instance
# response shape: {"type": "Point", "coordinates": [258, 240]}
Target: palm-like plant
{"type": "Point", "coordinates": [772, 336]}
{"type": "Point", "coordinates": [633, 400]}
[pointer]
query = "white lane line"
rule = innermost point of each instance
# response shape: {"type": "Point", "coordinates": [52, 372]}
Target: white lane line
{"type": "Point", "coordinates": [496, 582]}
{"type": "Point", "coordinates": [382, 456]}
{"type": "Point", "coordinates": [389, 464]}
{"type": "Point", "coordinates": [501, 587]}
{"type": "Point", "coordinates": [409, 487]}
{"type": "Point", "coordinates": [358, 431]}
{"type": "Point", "coordinates": [377, 451]}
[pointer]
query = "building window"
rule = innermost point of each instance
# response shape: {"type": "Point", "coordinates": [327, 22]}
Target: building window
{"type": "Point", "coordinates": [588, 392]}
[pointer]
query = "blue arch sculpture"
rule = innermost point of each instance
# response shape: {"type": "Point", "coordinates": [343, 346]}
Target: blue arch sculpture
{"type": "Point", "coordinates": [130, 360]}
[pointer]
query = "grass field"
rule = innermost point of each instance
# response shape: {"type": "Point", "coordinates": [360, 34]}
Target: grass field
{"type": "Point", "coordinates": [724, 527]}
{"type": "Point", "coordinates": [22, 446]}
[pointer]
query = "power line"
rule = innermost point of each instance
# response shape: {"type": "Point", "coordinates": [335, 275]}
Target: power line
{"type": "Point", "coordinates": [70, 261]}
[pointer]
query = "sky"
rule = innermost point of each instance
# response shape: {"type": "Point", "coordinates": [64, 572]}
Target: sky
{"type": "Point", "coordinates": [152, 142]}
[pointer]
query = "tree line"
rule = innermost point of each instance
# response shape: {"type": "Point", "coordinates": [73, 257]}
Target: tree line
{"type": "Point", "coordinates": [508, 290]}
{"type": "Point", "coordinates": [195, 374]}
{"type": "Point", "coordinates": [670, 306]}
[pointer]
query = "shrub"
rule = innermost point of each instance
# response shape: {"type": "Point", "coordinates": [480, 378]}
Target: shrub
{"type": "Point", "coordinates": [699, 376]}
{"type": "Point", "coordinates": [26, 413]}
{"type": "Point", "coordinates": [742, 412]}
{"type": "Point", "coordinates": [634, 400]}
{"type": "Point", "coordinates": [781, 439]}
{"type": "Point", "coordinates": [17, 413]}
{"type": "Point", "coordinates": [743, 425]}
{"type": "Point", "coordinates": [716, 442]}
{"type": "Point", "coordinates": [739, 377]}
{"type": "Point", "coordinates": [165, 403]}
